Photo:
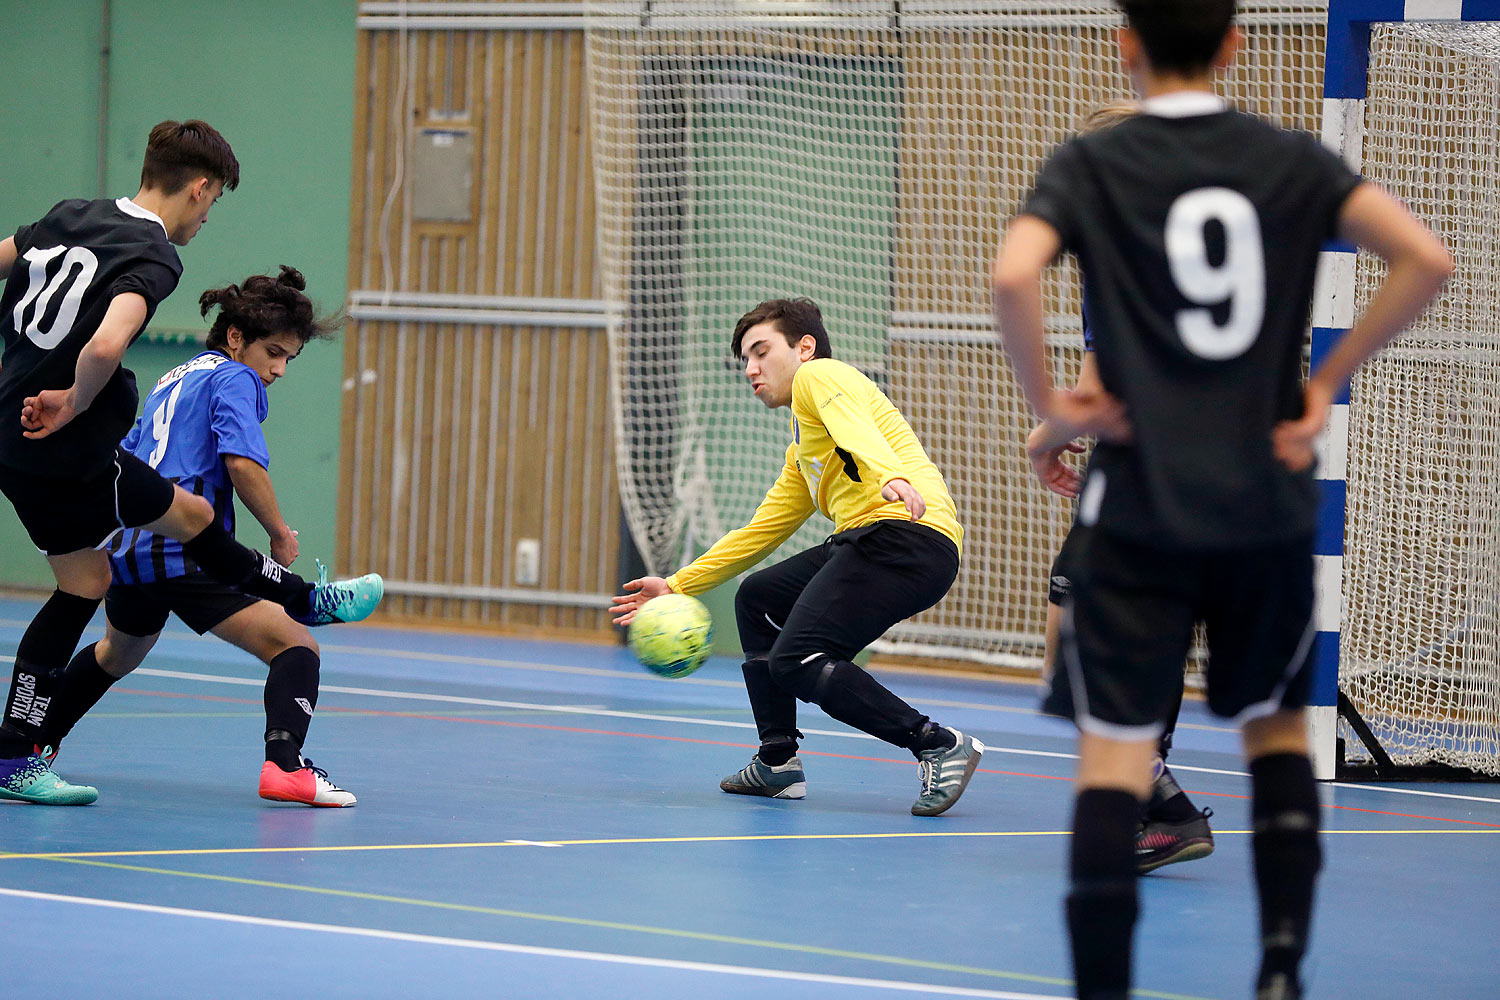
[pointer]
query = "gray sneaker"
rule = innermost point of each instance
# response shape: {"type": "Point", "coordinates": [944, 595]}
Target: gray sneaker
{"type": "Point", "coordinates": [784, 781]}
{"type": "Point", "coordinates": [945, 774]}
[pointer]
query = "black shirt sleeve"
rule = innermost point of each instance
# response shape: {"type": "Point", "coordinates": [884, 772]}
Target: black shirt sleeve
{"type": "Point", "coordinates": [1335, 180]}
{"type": "Point", "coordinates": [1054, 197]}
{"type": "Point", "coordinates": [152, 280]}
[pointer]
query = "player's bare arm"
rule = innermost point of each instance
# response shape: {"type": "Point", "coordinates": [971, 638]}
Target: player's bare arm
{"type": "Point", "coordinates": [252, 482]}
{"type": "Point", "coordinates": [52, 409]}
{"type": "Point", "coordinates": [7, 256]}
{"type": "Point", "coordinates": [1016, 285]}
{"type": "Point", "coordinates": [1419, 264]}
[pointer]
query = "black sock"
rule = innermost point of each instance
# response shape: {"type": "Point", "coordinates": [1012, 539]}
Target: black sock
{"type": "Point", "coordinates": [291, 696]}
{"type": "Point", "coordinates": [777, 753]}
{"type": "Point", "coordinates": [1102, 906]}
{"type": "Point", "coordinates": [226, 560]}
{"type": "Point", "coordinates": [856, 699]}
{"type": "Point", "coordinates": [1168, 802]}
{"type": "Point", "coordinates": [283, 750]}
{"type": "Point", "coordinates": [1284, 809]}
{"type": "Point", "coordinates": [82, 683]}
{"type": "Point", "coordinates": [931, 736]}
{"type": "Point", "coordinates": [44, 649]}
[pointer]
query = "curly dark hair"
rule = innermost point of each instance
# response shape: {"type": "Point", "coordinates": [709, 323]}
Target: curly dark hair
{"type": "Point", "coordinates": [263, 305]}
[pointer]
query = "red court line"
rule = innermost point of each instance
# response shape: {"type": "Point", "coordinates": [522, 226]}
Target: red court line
{"type": "Point", "coordinates": [750, 746]}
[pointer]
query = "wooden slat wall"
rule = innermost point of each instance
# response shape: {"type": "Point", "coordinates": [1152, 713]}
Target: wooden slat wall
{"type": "Point", "coordinates": [462, 438]}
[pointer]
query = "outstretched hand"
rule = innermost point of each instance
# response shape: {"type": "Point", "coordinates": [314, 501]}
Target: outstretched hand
{"type": "Point", "coordinates": [900, 489]}
{"type": "Point", "coordinates": [1295, 442]}
{"type": "Point", "coordinates": [48, 411]}
{"type": "Point", "coordinates": [638, 592]}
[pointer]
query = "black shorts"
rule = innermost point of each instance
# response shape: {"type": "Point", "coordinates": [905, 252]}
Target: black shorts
{"type": "Point", "coordinates": [844, 594]}
{"type": "Point", "coordinates": [1129, 626]}
{"type": "Point", "coordinates": [141, 609]}
{"type": "Point", "coordinates": [1060, 580]}
{"type": "Point", "coordinates": [65, 515]}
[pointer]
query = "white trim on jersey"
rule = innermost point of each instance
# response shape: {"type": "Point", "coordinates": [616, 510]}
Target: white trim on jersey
{"type": "Point", "coordinates": [1184, 104]}
{"type": "Point", "coordinates": [131, 208]}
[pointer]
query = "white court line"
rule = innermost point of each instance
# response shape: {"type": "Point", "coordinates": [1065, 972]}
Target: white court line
{"type": "Point", "coordinates": [586, 956]}
{"type": "Point", "coordinates": [723, 724]}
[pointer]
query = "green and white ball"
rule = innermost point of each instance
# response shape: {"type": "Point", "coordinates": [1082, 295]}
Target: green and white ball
{"type": "Point", "coordinates": [672, 635]}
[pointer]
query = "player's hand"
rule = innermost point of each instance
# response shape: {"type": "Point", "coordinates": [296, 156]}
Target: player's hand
{"type": "Point", "coordinates": [1074, 414]}
{"type": "Point", "coordinates": [284, 547]}
{"type": "Point", "coordinates": [1295, 442]}
{"type": "Point", "coordinates": [900, 489]}
{"type": "Point", "coordinates": [47, 412]}
{"type": "Point", "coordinates": [637, 593]}
{"type": "Point", "coordinates": [1046, 458]}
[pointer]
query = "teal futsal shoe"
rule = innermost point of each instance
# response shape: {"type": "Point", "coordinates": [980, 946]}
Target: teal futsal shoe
{"type": "Point", "coordinates": [342, 601]}
{"type": "Point", "coordinates": [945, 774]}
{"type": "Point", "coordinates": [30, 779]}
{"type": "Point", "coordinates": [784, 781]}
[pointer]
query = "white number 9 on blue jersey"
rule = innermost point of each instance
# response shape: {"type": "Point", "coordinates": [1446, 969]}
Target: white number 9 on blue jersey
{"type": "Point", "coordinates": [1239, 280]}
{"type": "Point", "coordinates": [161, 426]}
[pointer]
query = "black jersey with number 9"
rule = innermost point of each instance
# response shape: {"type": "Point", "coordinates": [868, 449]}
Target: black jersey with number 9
{"type": "Point", "coordinates": [1197, 229]}
{"type": "Point", "coordinates": [69, 266]}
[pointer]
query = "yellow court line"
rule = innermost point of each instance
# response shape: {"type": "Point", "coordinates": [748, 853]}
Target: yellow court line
{"type": "Point", "coordinates": [613, 841]}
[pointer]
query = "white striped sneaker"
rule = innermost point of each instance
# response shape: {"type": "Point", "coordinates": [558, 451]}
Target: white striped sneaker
{"type": "Point", "coordinates": [784, 781]}
{"type": "Point", "coordinates": [945, 774]}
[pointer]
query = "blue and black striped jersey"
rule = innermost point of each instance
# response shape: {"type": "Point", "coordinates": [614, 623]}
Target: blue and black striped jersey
{"type": "Point", "coordinates": [197, 413]}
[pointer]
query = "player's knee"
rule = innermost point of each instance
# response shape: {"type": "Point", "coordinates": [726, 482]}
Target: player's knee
{"type": "Point", "coordinates": [89, 582]}
{"type": "Point", "coordinates": [799, 671]}
{"type": "Point", "coordinates": [192, 513]}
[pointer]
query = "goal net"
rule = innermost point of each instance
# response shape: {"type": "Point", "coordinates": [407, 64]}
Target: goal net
{"type": "Point", "coordinates": [867, 154]}
{"type": "Point", "coordinates": [1420, 643]}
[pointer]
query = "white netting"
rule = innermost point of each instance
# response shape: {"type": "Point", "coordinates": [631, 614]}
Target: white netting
{"type": "Point", "coordinates": [1420, 657]}
{"type": "Point", "coordinates": [865, 153]}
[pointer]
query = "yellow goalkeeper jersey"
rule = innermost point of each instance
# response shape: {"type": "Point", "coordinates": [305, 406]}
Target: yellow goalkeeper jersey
{"type": "Point", "coordinates": [848, 441]}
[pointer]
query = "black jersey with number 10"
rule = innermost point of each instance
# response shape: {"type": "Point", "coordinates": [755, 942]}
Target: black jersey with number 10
{"type": "Point", "coordinates": [69, 267]}
{"type": "Point", "coordinates": [1197, 229]}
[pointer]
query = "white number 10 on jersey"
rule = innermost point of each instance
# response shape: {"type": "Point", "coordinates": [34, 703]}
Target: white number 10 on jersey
{"type": "Point", "coordinates": [1239, 280]}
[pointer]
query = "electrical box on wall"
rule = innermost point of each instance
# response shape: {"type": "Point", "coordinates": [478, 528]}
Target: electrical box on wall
{"type": "Point", "coordinates": [442, 175]}
{"type": "Point", "coordinates": [528, 570]}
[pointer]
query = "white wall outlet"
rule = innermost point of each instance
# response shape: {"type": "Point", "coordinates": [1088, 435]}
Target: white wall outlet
{"type": "Point", "coordinates": [528, 568]}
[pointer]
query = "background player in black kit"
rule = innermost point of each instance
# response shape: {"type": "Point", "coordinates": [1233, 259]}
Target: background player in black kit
{"type": "Point", "coordinates": [83, 282]}
{"type": "Point", "coordinates": [1172, 829]}
{"type": "Point", "coordinates": [1197, 229]}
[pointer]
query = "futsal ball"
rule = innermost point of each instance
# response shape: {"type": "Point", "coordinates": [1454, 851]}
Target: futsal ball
{"type": "Point", "coordinates": [672, 635]}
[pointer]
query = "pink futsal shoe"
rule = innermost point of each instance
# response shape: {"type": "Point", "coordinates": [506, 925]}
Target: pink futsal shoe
{"type": "Point", "coordinates": [308, 785]}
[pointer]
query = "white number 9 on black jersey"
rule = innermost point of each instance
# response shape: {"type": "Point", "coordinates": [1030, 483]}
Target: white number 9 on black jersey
{"type": "Point", "coordinates": [1239, 279]}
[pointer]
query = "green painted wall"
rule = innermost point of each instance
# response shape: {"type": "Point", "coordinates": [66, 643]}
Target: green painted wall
{"type": "Point", "coordinates": [276, 77]}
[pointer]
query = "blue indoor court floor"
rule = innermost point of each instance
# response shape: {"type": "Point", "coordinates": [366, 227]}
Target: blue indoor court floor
{"type": "Point", "coordinates": [543, 820]}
